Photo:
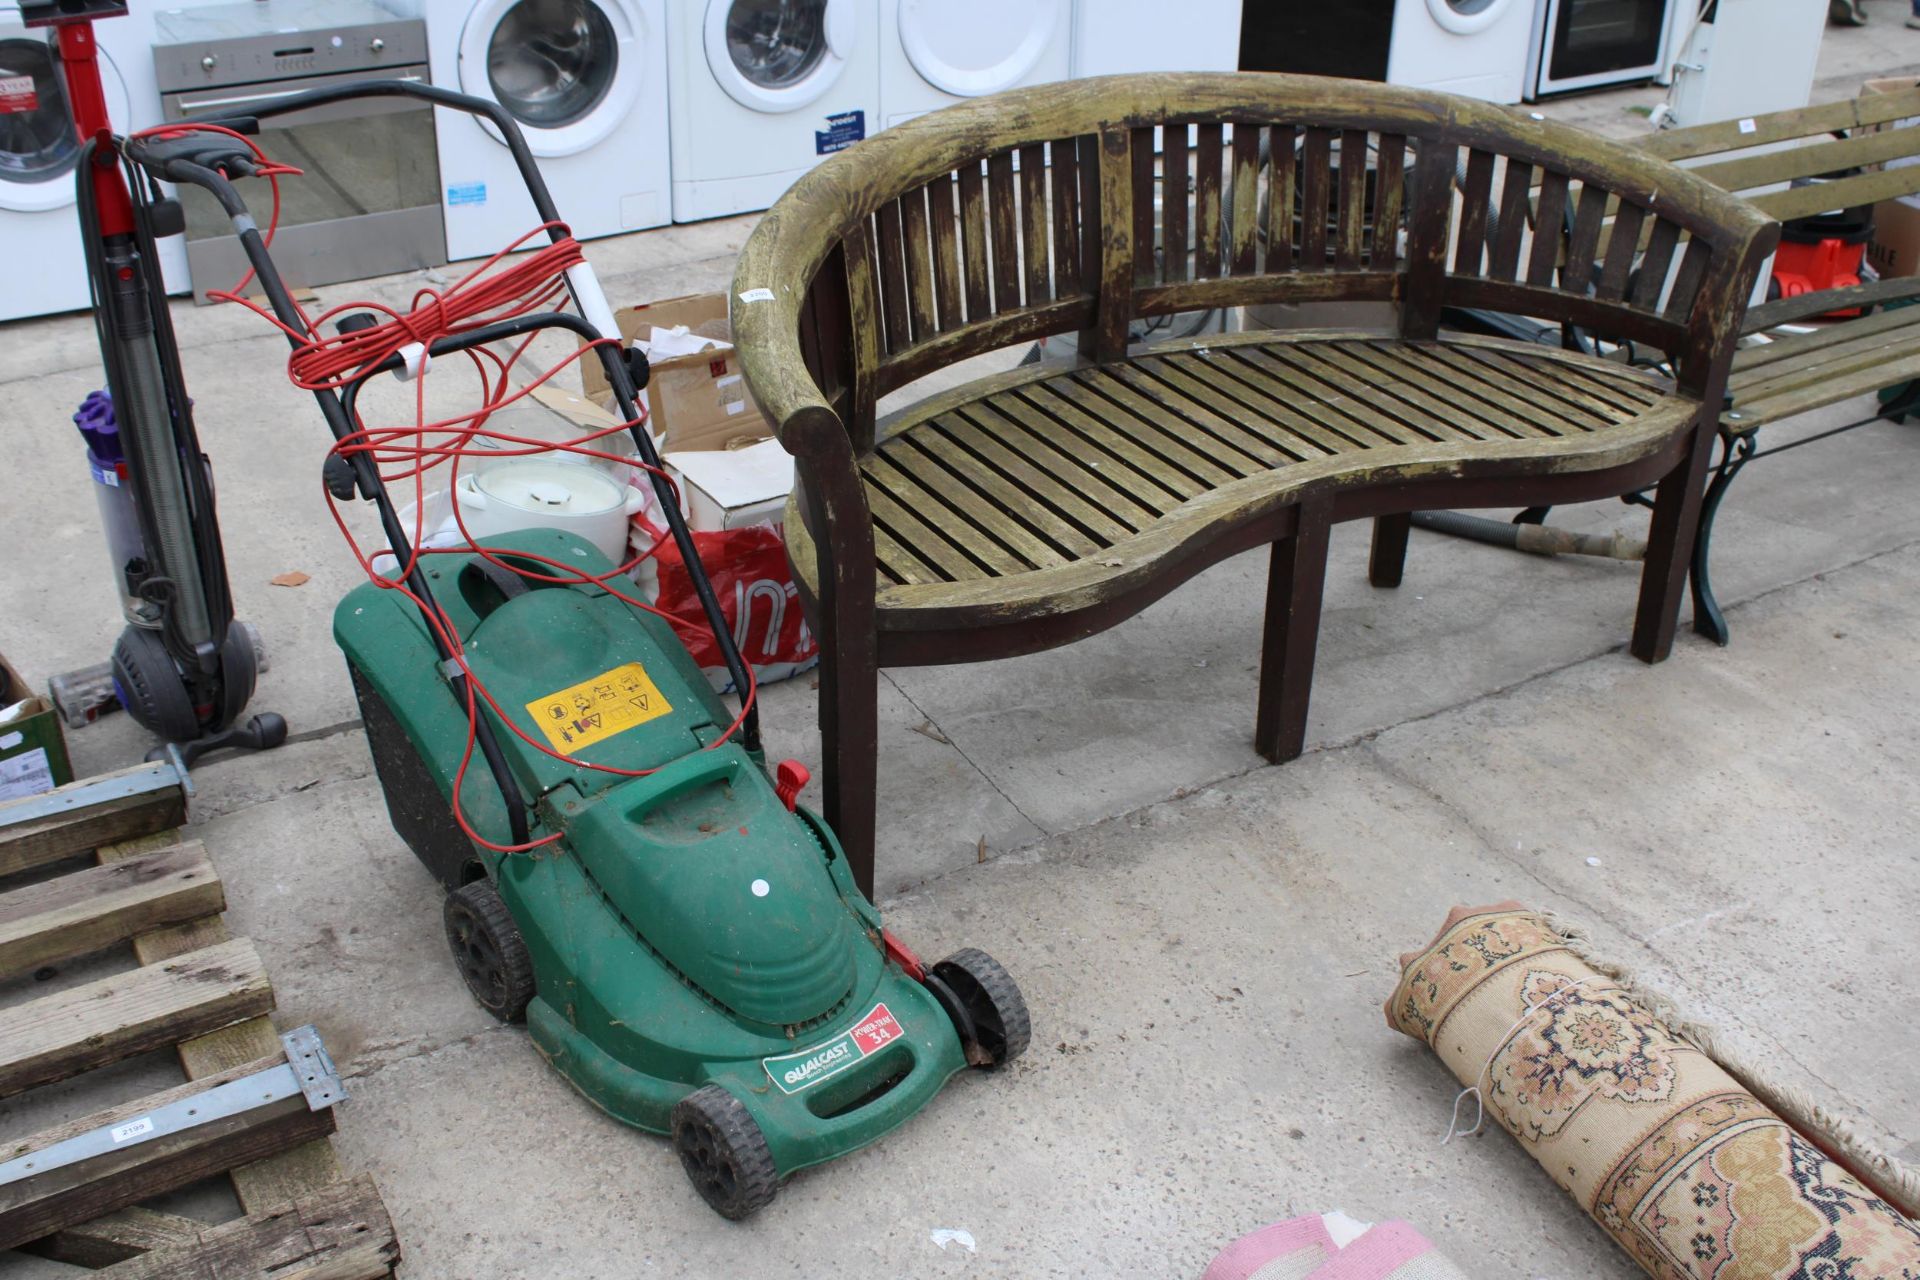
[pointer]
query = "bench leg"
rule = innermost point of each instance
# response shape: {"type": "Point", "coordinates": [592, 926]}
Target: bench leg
{"type": "Point", "coordinates": [1707, 618]}
{"type": "Point", "coordinates": [1294, 585]}
{"type": "Point", "coordinates": [1676, 518]}
{"type": "Point", "coordinates": [849, 749]}
{"type": "Point", "coordinates": [1389, 558]}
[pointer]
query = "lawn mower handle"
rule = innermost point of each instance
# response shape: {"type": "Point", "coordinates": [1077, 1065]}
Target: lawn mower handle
{"type": "Point", "coordinates": [193, 168]}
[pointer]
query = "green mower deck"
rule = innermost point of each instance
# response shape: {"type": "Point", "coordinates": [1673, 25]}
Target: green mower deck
{"type": "Point", "coordinates": [692, 953]}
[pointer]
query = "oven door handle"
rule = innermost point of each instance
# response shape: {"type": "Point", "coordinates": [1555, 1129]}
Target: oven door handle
{"type": "Point", "coordinates": [189, 107]}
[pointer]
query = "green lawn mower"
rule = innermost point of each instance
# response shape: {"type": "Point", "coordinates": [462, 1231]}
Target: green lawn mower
{"type": "Point", "coordinates": [685, 943]}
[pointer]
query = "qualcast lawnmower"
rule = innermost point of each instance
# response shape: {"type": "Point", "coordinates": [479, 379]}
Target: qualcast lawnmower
{"type": "Point", "coordinates": [684, 941]}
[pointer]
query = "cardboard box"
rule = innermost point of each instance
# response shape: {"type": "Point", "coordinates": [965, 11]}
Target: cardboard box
{"type": "Point", "coordinates": [728, 489]}
{"type": "Point", "coordinates": [1895, 247]}
{"type": "Point", "coordinates": [694, 402]}
{"type": "Point", "coordinates": [33, 750]}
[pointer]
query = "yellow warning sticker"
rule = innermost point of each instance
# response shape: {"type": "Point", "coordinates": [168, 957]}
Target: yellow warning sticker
{"type": "Point", "coordinates": [594, 710]}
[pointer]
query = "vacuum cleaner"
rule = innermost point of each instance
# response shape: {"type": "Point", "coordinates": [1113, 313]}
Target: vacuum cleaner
{"type": "Point", "coordinates": [683, 940]}
{"type": "Point", "coordinates": [182, 667]}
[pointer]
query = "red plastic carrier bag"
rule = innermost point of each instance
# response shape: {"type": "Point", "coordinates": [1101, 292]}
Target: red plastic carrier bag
{"type": "Point", "coordinates": [750, 576]}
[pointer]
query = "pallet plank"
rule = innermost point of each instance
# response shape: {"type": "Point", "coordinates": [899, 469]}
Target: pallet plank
{"type": "Point", "coordinates": [32, 844]}
{"type": "Point", "coordinates": [114, 1237]}
{"type": "Point", "coordinates": [59, 1198]}
{"type": "Point", "coordinates": [279, 1178]}
{"type": "Point", "coordinates": [130, 1013]}
{"type": "Point", "coordinates": [88, 911]}
{"type": "Point", "coordinates": [341, 1232]}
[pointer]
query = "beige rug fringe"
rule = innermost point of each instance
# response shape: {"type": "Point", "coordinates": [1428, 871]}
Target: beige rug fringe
{"type": "Point", "coordinates": [1892, 1177]}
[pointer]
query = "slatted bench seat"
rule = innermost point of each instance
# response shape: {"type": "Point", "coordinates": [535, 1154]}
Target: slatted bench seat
{"type": "Point", "coordinates": [1825, 362]}
{"type": "Point", "coordinates": [1030, 508]}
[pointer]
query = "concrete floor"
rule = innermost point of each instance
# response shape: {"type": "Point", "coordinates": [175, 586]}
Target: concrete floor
{"type": "Point", "coordinates": [1205, 941]}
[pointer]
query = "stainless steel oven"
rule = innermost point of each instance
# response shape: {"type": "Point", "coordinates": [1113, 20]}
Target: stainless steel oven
{"type": "Point", "coordinates": [1587, 44]}
{"type": "Point", "coordinates": [369, 202]}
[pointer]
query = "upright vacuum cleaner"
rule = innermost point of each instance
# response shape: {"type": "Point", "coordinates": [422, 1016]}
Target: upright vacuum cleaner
{"type": "Point", "coordinates": [684, 941]}
{"type": "Point", "coordinates": [182, 667]}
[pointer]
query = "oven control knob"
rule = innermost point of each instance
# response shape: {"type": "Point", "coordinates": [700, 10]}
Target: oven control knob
{"type": "Point", "coordinates": [209, 62]}
{"type": "Point", "coordinates": [377, 44]}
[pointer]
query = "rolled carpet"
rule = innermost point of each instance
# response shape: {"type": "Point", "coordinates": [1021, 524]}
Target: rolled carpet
{"type": "Point", "coordinates": [1680, 1163]}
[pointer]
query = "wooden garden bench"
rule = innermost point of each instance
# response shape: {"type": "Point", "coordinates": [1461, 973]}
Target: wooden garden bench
{"type": "Point", "coordinates": [1826, 362]}
{"type": "Point", "coordinates": [1034, 507]}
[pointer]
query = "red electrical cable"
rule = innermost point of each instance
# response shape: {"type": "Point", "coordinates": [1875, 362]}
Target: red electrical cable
{"type": "Point", "coordinates": [490, 293]}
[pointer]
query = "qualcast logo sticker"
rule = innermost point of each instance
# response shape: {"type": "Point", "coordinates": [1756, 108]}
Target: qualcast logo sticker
{"type": "Point", "coordinates": [796, 1071]}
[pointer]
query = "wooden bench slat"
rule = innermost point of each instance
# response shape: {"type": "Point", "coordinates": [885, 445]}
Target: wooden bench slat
{"type": "Point", "coordinates": [1303, 418]}
{"type": "Point", "coordinates": [1762, 403]}
{"type": "Point", "coordinates": [1503, 261]}
{"type": "Point", "coordinates": [1410, 404]}
{"type": "Point", "coordinates": [918, 536]}
{"type": "Point", "coordinates": [1033, 225]}
{"type": "Point", "coordinates": [1549, 209]}
{"type": "Point", "coordinates": [1002, 217]}
{"type": "Point", "coordinates": [1281, 169]}
{"type": "Point", "coordinates": [1174, 197]}
{"type": "Point", "coordinates": [1389, 201]}
{"type": "Point", "coordinates": [975, 257]}
{"type": "Point", "coordinates": [1282, 373]}
{"type": "Point", "coordinates": [1605, 401]}
{"type": "Point", "coordinates": [1069, 470]}
{"type": "Point", "coordinates": [131, 1013]}
{"type": "Point", "coordinates": [1781, 126]}
{"type": "Point", "coordinates": [1492, 424]}
{"type": "Point", "coordinates": [934, 460]}
{"type": "Point", "coordinates": [1839, 361]}
{"type": "Point", "coordinates": [1812, 160]}
{"type": "Point", "coordinates": [1315, 194]}
{"type": "Point", "coordinates": [963, 518]}
{"type": "Point", "coordinates": [1243, 225]}
{"type": "Point", "coordinates": [1808, 305]}
{"type": "Point", "coordinates": [1548, 398]}
{"type": "Point", "coordinates": [1086, 396]}
{"type": "Point", "coordinates": [981, 451]}
{"type": "Point", "coordinates": [1290, 435]}
{"type": "Point", "coordinates": [1481, 384]}
{"type": "Point", "coordinates": [87, 911]}
{"type": "Point", "coordinates": [1068, 253]}
{"type": "Point", "coordinates": [1841, 193]}
{"type": "Point", "coordinates": [1138, 387]}
{"type": "Point", "coordinates": [1798, 346]}
{"type": "Point", "coordinates": [1114, 450]}
{"type": "Point", "coordinates": [24, 845]}
{"type": "Point", "coordinates": [1206, 203]}
{"type": "Point", "coordinates": [1296, 419]}
{"type": "Point", "coordinates": [1350, 240]}
{"type": "Point", "coordinates": [114, 1237]}
{"type": "Point", "coordinates": [891, 275]}
{"type": "Point", "coordinates": [917, 244]}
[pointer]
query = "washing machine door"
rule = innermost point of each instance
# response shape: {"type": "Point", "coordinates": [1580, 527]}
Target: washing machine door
{"type": "Point", "coordinates": [1467, 17]}
{"type": "Point", "coordinates": [570, 71]}
{"type": "Point", "coordinates": [38, 144]}
{"type": "Point", "coordinates": [980, 46]}
{"type": "Point", "coordinates": [779, 55]}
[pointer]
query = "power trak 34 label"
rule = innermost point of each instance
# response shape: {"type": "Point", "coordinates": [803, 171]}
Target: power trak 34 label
{"type": "Point", "coordinates": [793, 1072]}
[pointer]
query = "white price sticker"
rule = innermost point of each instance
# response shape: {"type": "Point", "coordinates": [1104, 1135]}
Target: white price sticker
{"type": "Point", "coordinates": [132, 1129]}
{"type": "Point", "coordinates": [1747, 125]}
{"type": "Point", "coordinates": [757, 295]}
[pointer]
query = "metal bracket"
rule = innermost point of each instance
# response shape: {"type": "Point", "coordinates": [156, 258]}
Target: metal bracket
{"type": "Point", "coordinates": [143, 780]}
{"type": "Point", "coordinates": [308, 1073]}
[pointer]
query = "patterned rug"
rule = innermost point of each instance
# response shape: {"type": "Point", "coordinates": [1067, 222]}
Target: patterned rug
{"type": "Point", "coordinates": [1692, 1174]}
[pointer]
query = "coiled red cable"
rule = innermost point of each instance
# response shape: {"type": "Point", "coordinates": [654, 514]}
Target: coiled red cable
{"type": "Point", "coordinates": [496, 290]}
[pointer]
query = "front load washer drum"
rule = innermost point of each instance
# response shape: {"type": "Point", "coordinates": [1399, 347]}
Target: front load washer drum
{"type": "Point", "coordinates": [778, 55]}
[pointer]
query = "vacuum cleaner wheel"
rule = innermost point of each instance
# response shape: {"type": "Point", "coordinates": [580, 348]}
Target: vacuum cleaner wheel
{"type": "Point", "coordinates": [724, 1152]}
{"type": "Point", "coordinates": [992, 1003]}
{"type": "Point", "coordinates": [150, 686]}
{"type": "Point", "coordinates": [489, 950]}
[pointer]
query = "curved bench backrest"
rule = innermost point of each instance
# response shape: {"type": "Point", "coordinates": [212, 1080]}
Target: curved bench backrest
{"type": "Point", "coordinates": [1080, 207]}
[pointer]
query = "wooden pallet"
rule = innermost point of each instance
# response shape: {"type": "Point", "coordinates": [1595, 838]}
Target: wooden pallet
{"type": "Point", "coordinates": [198, 989]}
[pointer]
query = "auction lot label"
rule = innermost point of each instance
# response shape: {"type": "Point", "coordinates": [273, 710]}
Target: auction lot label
{"type": "Point", "coordinates": [796, 1071]}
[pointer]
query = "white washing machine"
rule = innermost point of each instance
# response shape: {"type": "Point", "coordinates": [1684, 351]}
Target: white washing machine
{"type": "Point", "coordinates": [1124, 37]}
{"type": "Point", "coordinates": [934, 53]}
{"type": "Point", "coordinates": [762, 90]}
{"type": "Point", "coordinates": [45, 267]}
{"type": "Point", "coordinates": [1473, 47]}
{"type": "Point", "coordinates": [587, 80]}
